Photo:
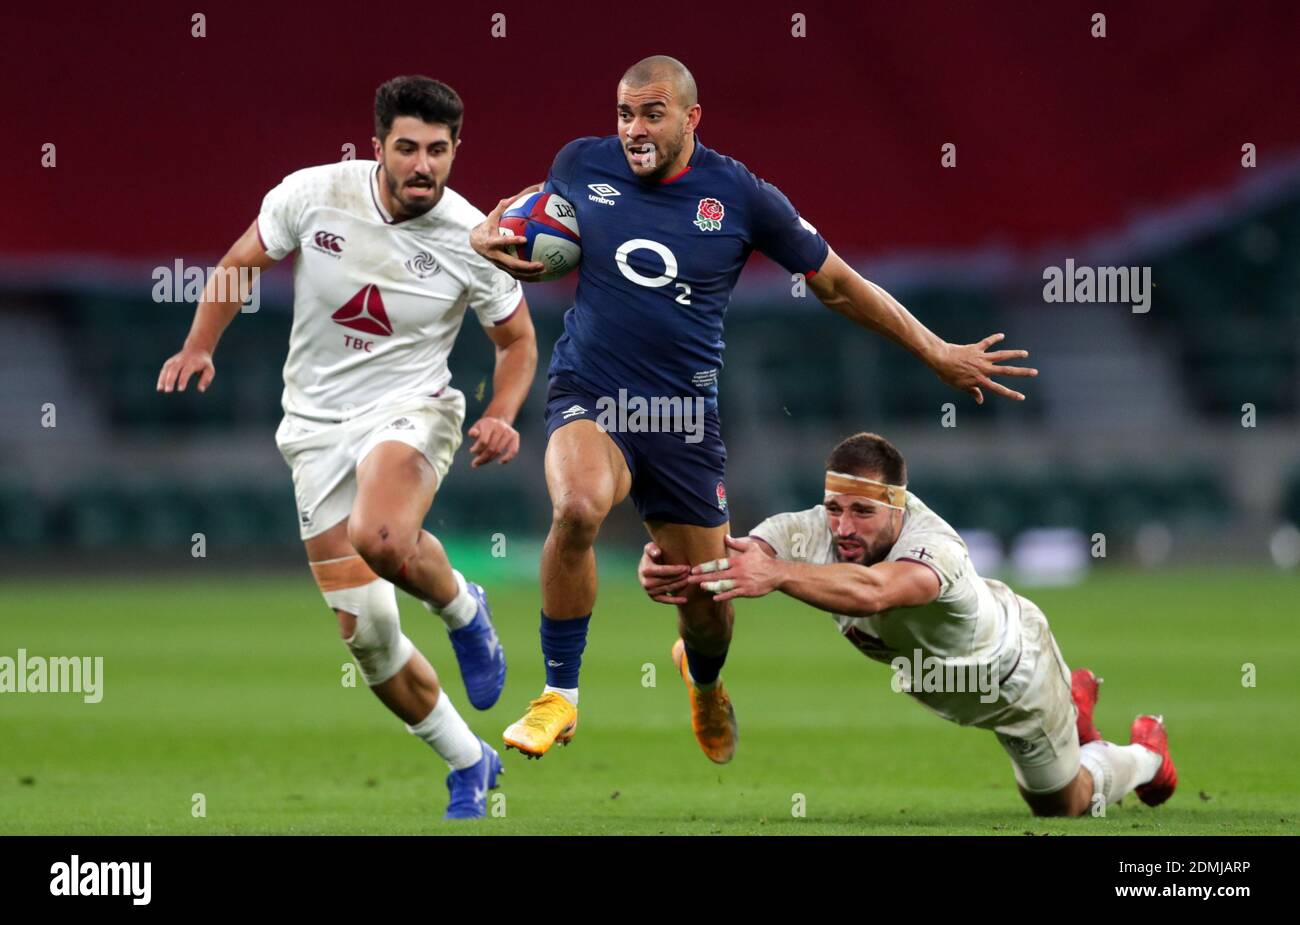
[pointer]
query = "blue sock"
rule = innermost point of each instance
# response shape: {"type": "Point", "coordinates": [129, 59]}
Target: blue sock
{"type": "Point", "coordinates": [562, 645]}
{"type": "Point", "coordinates": [704, 668]}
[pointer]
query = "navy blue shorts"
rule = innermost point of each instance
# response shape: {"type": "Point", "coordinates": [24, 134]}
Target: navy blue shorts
{"type": "Point", "coordinates": [673, 480]}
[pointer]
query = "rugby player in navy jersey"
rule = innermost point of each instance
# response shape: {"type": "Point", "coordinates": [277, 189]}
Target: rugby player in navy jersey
{"type": "Point", "coordinates": [667, 224]}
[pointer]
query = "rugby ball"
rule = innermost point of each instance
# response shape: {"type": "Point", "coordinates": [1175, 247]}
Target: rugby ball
{"type": "Point", "coordinates": [550, 223]}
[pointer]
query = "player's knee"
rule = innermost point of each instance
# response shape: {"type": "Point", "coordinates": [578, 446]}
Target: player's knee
{"type": "Point", "coordinates": [576, 518]}
{"type": "Point", "coordinates": [368, 617]}
{"type": "Point", "coordinates": [381, 547]}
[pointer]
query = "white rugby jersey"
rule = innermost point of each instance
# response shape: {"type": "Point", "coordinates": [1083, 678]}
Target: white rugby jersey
{"type": "Point", "coordinates": [376, 304]}
{"type": "Point", "coordinates": [974, 619]}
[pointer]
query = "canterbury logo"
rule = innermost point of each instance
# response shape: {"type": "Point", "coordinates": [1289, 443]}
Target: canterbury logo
{"type": "Point", "coordinates": [365, 312]}
{"type": "Point", "coordinates": [328, 241]}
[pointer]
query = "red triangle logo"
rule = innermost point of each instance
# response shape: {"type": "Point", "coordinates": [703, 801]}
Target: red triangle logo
{"type": "Point", "coordinates": [365, 312]}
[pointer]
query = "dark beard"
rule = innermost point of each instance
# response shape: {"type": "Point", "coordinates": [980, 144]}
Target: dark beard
{"type": "Point", "coordinates": [661, 171]}
{"type": "Point", "coordinates": [408, 210]}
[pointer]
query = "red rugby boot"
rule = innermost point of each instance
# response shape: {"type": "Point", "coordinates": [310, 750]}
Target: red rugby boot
{"type": "Point", "coordinates": [1083, 688]}
{"type": "Point", "coordinates": [1149, 732]}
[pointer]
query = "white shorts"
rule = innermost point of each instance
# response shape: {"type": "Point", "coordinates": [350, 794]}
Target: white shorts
{"type": "Point", "coordinates": [324, 456]}
{"type": "Point", "coordinates": [1038, 727]}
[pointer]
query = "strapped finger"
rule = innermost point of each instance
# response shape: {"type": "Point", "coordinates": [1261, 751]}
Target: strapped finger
{"type": "Point", "coordinates": [718, 587]}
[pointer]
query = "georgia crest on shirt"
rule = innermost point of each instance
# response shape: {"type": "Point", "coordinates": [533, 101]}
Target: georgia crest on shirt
{"type": "Point", "coordinates": [377, 304]}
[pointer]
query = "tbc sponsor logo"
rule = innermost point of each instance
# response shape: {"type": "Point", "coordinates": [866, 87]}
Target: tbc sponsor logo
{"type": "Point", "coordinates": [602, 192]}
{"type": "Point", "coordinates": [327, 242]}
{"type": "Point", "coordinates": [103, 878]}
{"type": "Point", "coordinates": [364, 312]}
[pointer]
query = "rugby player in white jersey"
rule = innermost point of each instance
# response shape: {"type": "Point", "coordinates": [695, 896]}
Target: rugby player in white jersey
{"type": "Point", "coordinates": [900, 585]}
{"type": "Point", "coordinates": [383, 275]}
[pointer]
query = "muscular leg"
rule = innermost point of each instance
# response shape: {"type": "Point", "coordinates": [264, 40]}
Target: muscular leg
{"type": "Point", "coordinates": [371, 629]}
{"type": "Point", "coordinates": [586, 476]}
{"type": "Point", "coordinates": [705, 627]}
{"type": "Point", "coordinates": [413, 692]}
{"type": "Point", "coordinates": [1074, 799]}
{"type": "Point", "coordinates": [395, 487]}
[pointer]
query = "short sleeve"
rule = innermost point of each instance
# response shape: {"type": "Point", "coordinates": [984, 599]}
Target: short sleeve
{"type": "Point", "coordinates": [778, 231]}
{"type": "Point", "coordinates": [280, 220]}
{"type": "Point", "coordinates": [790, 535]}
{"type": "Point", "coordinates": [493, 294]}
{"type": "Point", "coordinates": [942, 551]}
{"type": "Point", "coordinates": [564, 166]}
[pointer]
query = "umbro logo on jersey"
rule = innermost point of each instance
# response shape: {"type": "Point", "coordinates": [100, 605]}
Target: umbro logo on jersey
{"type": "Point", "coordinates": [600, 192]}
{"type": "Point", "coordinates": [365, 312]}
{"type": "Point", "coordinates": [422, 265]}
{"type": "Point", "coordinates": [327, 242]}
{"type": "Point", "coordinates": [573, 411]}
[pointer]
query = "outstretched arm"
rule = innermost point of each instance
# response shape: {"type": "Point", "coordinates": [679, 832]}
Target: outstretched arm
{"type": "Point", "coordinates": [963, 366]}
{"type": "Point", "coordinates": [752, 570]}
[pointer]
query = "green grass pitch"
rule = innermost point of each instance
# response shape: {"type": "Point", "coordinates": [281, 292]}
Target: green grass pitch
{"type": "Point", "coordinates": [229, 686]}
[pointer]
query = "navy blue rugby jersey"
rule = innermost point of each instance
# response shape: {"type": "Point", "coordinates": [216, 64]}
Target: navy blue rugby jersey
{"type": "Point", "coordinates": [659, 262]}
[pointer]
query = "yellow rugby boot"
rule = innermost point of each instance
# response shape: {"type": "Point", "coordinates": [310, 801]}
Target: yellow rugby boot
{"type": "Point", "coordinates": [712, 716]}
{"type": "Point", "coordinates": [550, 718]}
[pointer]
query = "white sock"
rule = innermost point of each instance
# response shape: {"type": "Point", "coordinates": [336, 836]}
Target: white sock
{"type": "Point", "coordinates": [462, 608]}
{"type": "Point", "coordinates": [448, 735]}
{"type": "Point", "coordinates": [1117, 769]}
{"type": "Point", "coordinates": [568, 693]}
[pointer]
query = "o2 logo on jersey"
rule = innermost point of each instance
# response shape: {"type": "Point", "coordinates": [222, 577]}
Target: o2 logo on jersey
{"type": "Point", "coordinates": [627, 248]}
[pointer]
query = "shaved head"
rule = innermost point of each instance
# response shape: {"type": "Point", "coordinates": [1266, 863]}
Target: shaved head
{"type": "Point", "coordinates": [664, 69]}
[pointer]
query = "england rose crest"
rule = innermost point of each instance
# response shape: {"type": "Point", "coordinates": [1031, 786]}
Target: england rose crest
{"type": "Point", "coordinates": [722, 497]}
{"type": "Point", "coordinates": [708, 217]}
